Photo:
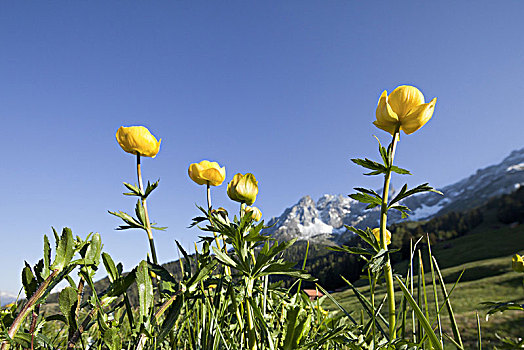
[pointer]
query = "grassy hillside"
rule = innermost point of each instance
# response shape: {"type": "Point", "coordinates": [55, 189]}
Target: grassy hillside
{"type": "Point", "coordinates": [485, 256]}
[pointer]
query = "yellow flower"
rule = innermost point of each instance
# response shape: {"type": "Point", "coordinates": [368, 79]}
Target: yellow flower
{"type": "Point", "coordinates": [403, 108]}
{"type": "Point", "coordinates": [137, 139]}
{"type": "Point", "coordinates": [517, 263]}
{"type": "Point", "coordinates": [376, 233]}
{"type": "Point", "coordinates": [243, 188]}
{"type": "Point", "coordinates": [207, 172]}
{"type": "Point", "coordinates": [255, 212]}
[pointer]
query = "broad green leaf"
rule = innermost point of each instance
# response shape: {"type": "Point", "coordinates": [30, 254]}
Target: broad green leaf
{"type": "Point", "coordinates": [93, 250]}
{"type": "Point", "coordinates": [145, 290]}
{"type": "Point", "coordinates": [67, 301]}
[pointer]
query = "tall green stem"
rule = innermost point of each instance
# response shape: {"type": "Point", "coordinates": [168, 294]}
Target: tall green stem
{"type": "Point", "coordinates": [383, 222]}
{"type": "Point", "coordinates": [148, 223]}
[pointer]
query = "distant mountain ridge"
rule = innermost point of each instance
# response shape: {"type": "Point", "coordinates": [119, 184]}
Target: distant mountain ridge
{"type": "Point", "coordinates": [323, 221]}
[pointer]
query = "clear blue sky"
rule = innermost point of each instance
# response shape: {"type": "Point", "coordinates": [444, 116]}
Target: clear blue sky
{"type": "Point", "coordinates": [286, 90]}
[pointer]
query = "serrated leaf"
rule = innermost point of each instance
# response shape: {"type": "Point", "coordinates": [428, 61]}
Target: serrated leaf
{"type": "Point", "coordinates": [28, 281]}
{"type": "Point", "coordinates": [151, 187]}
{"type": "Point", "coordinates": [64, 250]}
{"type": "Point", "coordinates": [47, 258]}
{"type": "Point", "coordinates": [366, 198]}
{"type": "Point", "coordinates": [67, 300]}
{"type": "Point", "coordinates": [404, 192]}
{"type": "Point", "coordinates": [93, 250]}
{"type": "Point", "coordinates": [140, 212]}
{"type": "Point", "coordinates": [401, 171]}
{"type": "Point", "coordinates": [135, 190]}
{"type": "Point", "coordinates": [372, 165]}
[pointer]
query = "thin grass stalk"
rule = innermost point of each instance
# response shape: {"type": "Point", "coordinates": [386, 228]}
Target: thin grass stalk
{"type": "Point", "coordinates": [423, 279]}
{"type": "Point", "coordinates": [413, 329]}
{"type": "Point", "coordinates": [479, 334]}
{"type": "Point", "coordinates": [372, 297]}
{"type": "Point", "coordinates": [435, 294]}
{"type": "Point", "coordinates": [454, 327]}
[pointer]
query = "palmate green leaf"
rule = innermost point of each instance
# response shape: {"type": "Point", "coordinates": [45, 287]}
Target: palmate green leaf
{"type": "Point", "coordinates": [128, 219]}
{"type": "Point", "coordinates": [404, 192]}
{"type": "Point", "coordinates": [135, 190]}
{"type": "Point", "coordinates": [420, 316]}
{"type": "Point", "coordinates": [140, 212]}
{"type": "Point", "coordinates": [367, 199]}
{"type": "Point", "coordinates": [151, 187]}
{"type": "Point", "coordinates": [372, 165]}
{"type": "Point", "coordinates": [402, 209]}
{"type": "Point", "coordinates": [92, 255]}
{"type": "Point", "coordinates": [298, 324]}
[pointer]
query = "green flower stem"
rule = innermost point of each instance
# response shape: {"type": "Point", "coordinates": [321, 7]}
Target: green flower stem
{"type": "Point", "coordinates": [148, 223]}
{"type": "Point", "coordinates": [383, 222]}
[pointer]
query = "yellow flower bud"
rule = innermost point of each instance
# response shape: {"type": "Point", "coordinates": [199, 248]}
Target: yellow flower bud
{"type": "Point", "coordinates": [243, 188]}
{"type": "Point", "coordinates": [255, 212]}
{"type": "Point", "coordinates": [207, 172]}
{"type": "Point", "coordinates": [403, 108]}
{"type": "Point", "coordinates": [137, 139]}
{"type": "Point", "coordinates": [376, 233]}
{"type": "Point", "coordinates": [517, 263]}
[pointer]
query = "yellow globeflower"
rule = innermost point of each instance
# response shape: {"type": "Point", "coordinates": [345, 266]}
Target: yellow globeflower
{"type": "Point", "coordinates": [207, 172]}
{"type": "Point", "coordinates": [517, 263]}
{"type": "Point", "coordinates": [243, 188]}
{"type": "Point", "coordinates": [376, 233]}
{"type": "Point", "coordinates": [404, 108]}
{"type": "Point", "coordinates": [255, 212]}
{"type": "Point", "coordinates": [137, 139]}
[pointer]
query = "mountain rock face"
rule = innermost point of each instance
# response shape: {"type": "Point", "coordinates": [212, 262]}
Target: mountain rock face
{"type": "Point", "coordinates": [323, 221]}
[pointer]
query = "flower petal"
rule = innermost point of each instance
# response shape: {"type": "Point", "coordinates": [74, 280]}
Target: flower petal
{"type": "Point", "coordinates": [384, 112]}
{"type": "Point", "coordinates": [404, 98]}
{"type": "Point", "coordinates": [388, 127]}
{"type": "Point", "coordinates": [417, 117]}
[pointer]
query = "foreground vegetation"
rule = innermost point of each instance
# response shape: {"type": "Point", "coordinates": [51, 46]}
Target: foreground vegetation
{"type": "Point", "coordinates": [224, 297]}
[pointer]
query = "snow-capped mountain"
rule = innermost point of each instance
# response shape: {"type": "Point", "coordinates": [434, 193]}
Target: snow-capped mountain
{"type": "Point", "coordinates": [324, 220]}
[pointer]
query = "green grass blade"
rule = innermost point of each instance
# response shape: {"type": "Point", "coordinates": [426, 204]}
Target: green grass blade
{"type": "Point", "coordinates": [479, 334]}
{"type": "Point", "coordinates": [454, 327]}
{"type": "Point", "coordinates": [420, 316]}
{"type": "Point", "coordinates": [435, 294]}
{"type": "Point", "coordinates": [334, 301]}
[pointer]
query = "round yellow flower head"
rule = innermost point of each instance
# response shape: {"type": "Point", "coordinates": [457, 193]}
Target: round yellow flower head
{"type": "Point", "coordinates": [255, 213]}
{"type": "Point", "coordinates": [376, 233]}
{"type": "Point", "coordinates": [517, 263]}
{"type": "Point", "coordinates": [243, 188]}
{"type": "Point", "coordinates": [403, 108]}
{"type": "Point", "coordinates": [137, 139]}
{"type": "Point", "coordinates": [207, 172]}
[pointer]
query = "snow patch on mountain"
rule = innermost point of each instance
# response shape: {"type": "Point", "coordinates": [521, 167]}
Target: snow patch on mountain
{"type": "Point", "coordinates": [324, 220]}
